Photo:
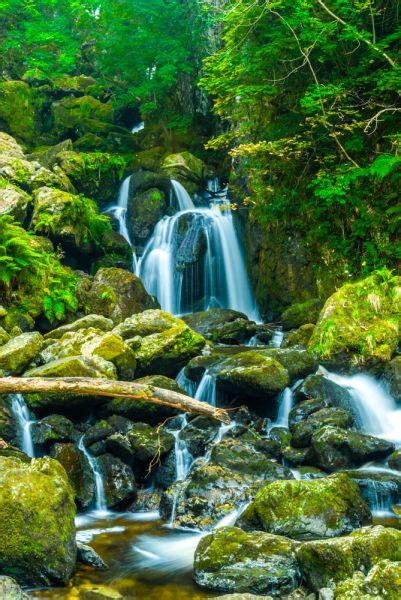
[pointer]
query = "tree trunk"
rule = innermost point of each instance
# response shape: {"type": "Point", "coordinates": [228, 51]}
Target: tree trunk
{"type": "Point", "coordinates": [106, 387]}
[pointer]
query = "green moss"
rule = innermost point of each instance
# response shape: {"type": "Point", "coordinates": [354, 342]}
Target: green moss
{"type": "Point", "coordinates": [302, 313]}
{"type": "Point", "coordinates": [17, 109]}
{"type": "Point", "coordinates": [19, 352]}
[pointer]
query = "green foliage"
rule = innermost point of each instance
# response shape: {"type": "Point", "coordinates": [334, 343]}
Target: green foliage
{"type": "Point", "coordinates": [32, 276]}
{"type": "Point", "coordinates": [311, 103]}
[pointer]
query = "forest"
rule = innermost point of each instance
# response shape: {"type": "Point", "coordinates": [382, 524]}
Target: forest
{"type": "Point", "coordinates": [200, 299]}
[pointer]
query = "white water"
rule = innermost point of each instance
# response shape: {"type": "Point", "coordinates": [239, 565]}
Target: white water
{"type": "Point", "coordinates": [183, 458]}
{"type": "Point", "coordinates": [24, 421]}
{"type": "Point", "coordinates": [186, 384]}
{"type": "Point", "coordinates": [207, 389]}
{"type": "Point", "coordinates": [137, 128]}
{"type": "Point", "coordinates": [120, 213]}
{"type": "Point", "coordinates": [278, 338]}
{"type": "Point", "coordinates": [286, 404]}
{"type": "Point", "coordinates": [100, 500]}
{"type": "Point", "coordinates": [184, 200]}
{"type": "Point", "coordinates": [378, 412]}
{"type": "Point", "coordinates": [222, 280]}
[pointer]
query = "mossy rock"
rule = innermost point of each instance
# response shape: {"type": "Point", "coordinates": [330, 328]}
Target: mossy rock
{"type": "Point", "coordinates": [38, 538]}
{"type": "Point", "coordinates": [185, 168]}
{"type": "Point", "coordinates": [79, 471]}
{"type": "Point", "coordinates": [89, 321]}
{"type": "Point", "coordinates": [75, 366]}
{"type": "Point", "coordinates": [146, 323]}
{"type": "Point", "coordinates": [115, 294]}
{"type": "Point", "coordinates": [84, 114]}
{"type": "Point", "coordinates": [334, 448]}
{"type": "Point", "coordinates": [230, 560]}
{"type": "Point", "coordinates": [302, 313]}
{"type": "Point", "coordinates": [361, 321]}
{"type": "Point", "coordinates": [51, 429]}
{"type": "Point", "coordinates": [146, 209]}
{"type": "Point", "coordinates": [120, 488]}
{"type": "Point", "coordinates": [297, 361]}
{"type": "Point", "coordinates": [382, 581]}
{"type": "Point", "coordinates": [9, 146]}
{"type": "Point", "coordinates": [30, 176]}
{"type": "Point", "coordinates": [17, 354]}
{"type": "Point", "coordinates": [336, 417]}
{"type": "Point", "coordinates": [310, 509]}
{"type": "Point", "coordinates": [76, 84]}
{"type": "Point", "coordinates": [392, 377]}
{"type": "Point", "coordinates": [299, 337]}
{"type": "Point", "coordinates": [14, 202]}
{"type": "Point", "coordinates": [325, 563]}
{"type": "Point", "coordinates": [222, 325]}
{"type": "Point", "coordinates": [251, 375]}
{"type": "Point", "coordinates": [394, 460]}
{"type": "Point", "coordinates": [17, 110]}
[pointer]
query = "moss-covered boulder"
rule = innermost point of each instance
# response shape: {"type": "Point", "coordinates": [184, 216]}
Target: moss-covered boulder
{"type": "Point", "coordinates": [310, 509]}
{"type": "Point", "coordinates": [230, 560]}
{"type": "Point", "coordinates": [251, 375]}
{"type": "Point", "coordinates": [81, 115]}
{"type": "Point", "coordinates": [185, 168]}
{"type": "Point", "coordinates": [53, 428]}
{"type": "Point", "coordinates": [361, 321]}
{"type": "Point", "coordinates": [392, 376]}
{"type": "Point", "coordinates": [10, 590]}
{"type": "Point", "coordinates": [394, 460]}
{"type": "Point", "coordinates": [302, 313]}
{"type": "Point", "coordinates": [298, 362]}
{"type": "Point", "coordinates": [9, 146]}
{"type": "Point", "coordinates": [76, 366]}
{"type": "Point", "coordinates": [222, 325]}
{"type": "Point", "coordinates": [68, 85]}
{"type": "Point", "coordinates": [31, 175]}
{"type": "Point", "coordinates": [382, 581]}
{"type": "Point", "coordinates": [90, 321]}
{"type": "Point", "coordinates": [17, 354]}
{"type": "Point", "coordinates": [325, 563]}
{"type": "Point", "coordinates": [79, 471]}
{"type": "Point", "coordinates": [120, 489]}
{"type": "Point", "coordinates": [145, 211]}
{"type": "Point", "coordinates": [17, 110]}
{"type": "Point", "coordinates": [38, 531]}
{"type": "Point", "coordinates": [14, 202]}
{"type": "Point", "coordinates": [146, 323]}
{"type": "Point", "coordinates": [115, 294]}
{"type": "Point", "coordinates": [299, 337]}
{"type": "Point", "coordinates": [336, 417]}
{"type": "Point", "coordinates": [335, 448]}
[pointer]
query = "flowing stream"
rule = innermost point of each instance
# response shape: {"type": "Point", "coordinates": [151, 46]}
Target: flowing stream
{"type": "Point", "coordinates": [24, 421]}
{"type": "Point", "coordinates": [100, 500]}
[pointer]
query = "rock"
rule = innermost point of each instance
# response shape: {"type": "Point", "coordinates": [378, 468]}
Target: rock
{"type": "Point", "coordinates": [145, 211]}
{"type": "Point", "coordinates": [38, 531]}
{"type": "Point", "coordinates": [79, 471]}
{"type": "Point", "coordinates": [146, 323]}
{"type": "Point", "coordinates": [381, 489]}
{"type": "Point", "coordinates": [103, 429]}
{"type": "Point", "coordinates": [90, 591]}
{"type": "Point", "coordinates": [161, 381]}
{"type": "Point", "coordinates": [361, 321]}
{"type": "Point", "coordinates": [90, 321]}
{"type": "Point", "coordinates": [73, 85]}
{"type": "Point", "coordinates": [222, 325]}
{"type": "Point", "coordinates": [251, 375]}
{"type": "Point", "coordinates": [17, 112]}
{"type": "Point", "coordinates": [76, 366]}
{"type": "Point", "coordinates": [297, 456]}
{"type": "Point", "coordinates": [299, 337]}
{"type": "Point", "coordinates": [17, 354]}
{"type": "Point", "coordinates": [115, 294]}
{"type": "Point", "coordinates": [303, 410]}
{"type": "Point", "coordinates": [119, 482]}
{"type": "Point", "coordinates": [392, 376]}
{"type": "Point", "coordinates": [9, 146]}
{"type": "Point", "coordinates": [230, 560]}
{"type": "Point", "coordinates": [185, 168]}
{"type": "Point", "coordinates": [117, 253]}
{"type": "Point", "coordinates": [334, 448]}
{"type": "Point", "coordinates": [10, 590]}
{"type": "Point", "coordinates": [336, 417]}
{"type": "Point", "coordinates": [81, 115]}
{"type": "Point", "coordinates": [382, 581]}
{"type": "Point", "coordinates": [47, 156]}
{"type": "Point", "coordinates": [320, 388]}
{"type": "Point", "coordinates": [310, 509]}
{"type": "Point", "coordinates": [88, 556]}
{"type": "Point", "coordinates": [394, 460]}
{"type": "Point", "coordinates": [325, 563]}
{"type": "Point", "coordinates": [31, 175]}
{"type": "Point", "coordinates": [12, 452]}
{"type": "Point", "coordinates": [53, 428]}
{"type": "Point", "coordinates": [198, 433]}
{"type": "Point", "coordinates": [298, 362]}
{"type": "Point", "coordinates": [302, 313]}
{"type": "Point", "coordinates": [4, 337]}
{"type": "Point", "coordinates": [14, 202]}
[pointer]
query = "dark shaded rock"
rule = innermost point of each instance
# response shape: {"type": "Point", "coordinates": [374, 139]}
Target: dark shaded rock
{"type": "Point", "coordinates": [119, 482]}
{"type": "Point", "coordinates": [79, 471]}
{"type": "Point", "coordinates": [199, 432]}
{"type": "Point", "coordinates": [297, 361]}
{"type": "Point", "coordinates": [222, 325]}
{"type": "Point", "coordinates": [230, 560]}
{"type": "Point", "coordinates": [392, 376]}
{"type": "Point", "coordinates": [302, 313]}
{"type": "Point", "coordinates": [299, 337]}
{"type": "Point", "coordinates": [145, 209]}
{"type": "Point", "coordinates": [303, 410]}
{"type": "Point", "coordinates": [88, 556]}
{"type": "Point", "coordinates": [54, 428]}
{"type": "Point", "coordinates": [394, 460]}
{"type": "Point", "coordinates": [297, 456]}
{"type": "Point", "coordinates": [103, 429]}
{"type": "Point", "coordinates": [302, 432]}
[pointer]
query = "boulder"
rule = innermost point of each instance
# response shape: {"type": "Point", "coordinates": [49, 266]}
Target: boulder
{"type": "Point", "coordinates": [8, 426]}
{"type": "Point", "coordinates": [222, 325]}
{"type": "Point", "coordinates": [297, 361]}
{"type": "Point", "coordinates": [17, 109]}
{"type": "Point", "coordinates": [53, 428]}
{"type": "Point", "coordinates": [81, 115]}
{"type": "Point", "coordinates": [336, 417]}
{"type": "Point", "coordinates": [325, 563]}
{"type": "Point", "coordinates": [185, 168]}
{"type": "Point", "coordinates": [17, 354]}
{"type": "Point", "coordinates": [146, 323]}
{"type": "Point", "coordinates": [115, 294]}
{"type": "Point", "coordinates": [10, 590]}
{"type": "Point", "coordinates": [394, 460]}
{"type": "Point", "coordinates": [198, 433]}
{"type": "Point", "coordinates": [30, 176]}
{"type": "Point", "coordinates": [303, 410]}
{"type": "Point", "coordinates": [68, 85]}
{"type": "Point", "coordinates": [146, 209]}
{"type": "Point", "coordinates": [251, 376]}
{"type": "Point", "coordinates": [76, 366]}
{"type": "Point", "coordinates": [299, 337]}
{"type": "Point", "coordinates": [9, 146]}
{"type": "Point", "coordinates": [382, 581]}
{"type": "Point", "coordinates": [38, 531]}
{"type": "Point", "coordinates": [392, 377]}
{"type": "Point", "coordinates": [302, 313]}
{"type": "Point", "coordinates": [361, 321]}
{"type": "Point", "coordinates": [230, 560]}
{"type": "Point", "coordinates": [79, 471]}
{"type": "Point", "coordinates": [90, 321]}
{"type": "Point", "coordinates": [309, 509]}
{"type": "Point", "coordinates": [88, 556]}
{"type": "Point", "coordinates": [104, 428]}
{"type": "Point", "coordinates": [119, 482]}
{"type": "Point", "coordinates": [14, 202]}
{"type": "Point", "coordinates": [334, 448]}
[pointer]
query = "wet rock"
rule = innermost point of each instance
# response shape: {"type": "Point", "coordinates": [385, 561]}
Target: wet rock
{"type": "Point", "coordinates": [90, 591]}
{"type": "Point", "coordinates": [251, 375]}
{"type": "Point", "coordinates": [394, 460]}
{"type": "Point", "coordinates": [9, 146]}
{"type": "Point", "coordinates": [8, 425]}
{"type": "Point", "coordinates": [382, 581]}
{"type": "Point", "coordinates": [302, 313]}
{"type": "Point", "coordinates": [196, 367]}
{"type": "Point", "coordinates": [85, 114]}
{"type": "Point", "coordinates": [10, 590]}
{"type": "Point", "coordinates": [310, 509]}
{"type": "Point", "coordinates": [299, 337]}
{"type": "Point", "coordinates": [334, 448]}
{"type": "Point", "coordinates": [380, 489]}
{"type": "Point", "coordinates": [392, 376]}
{"type": "Point", "coordinates": [106, 427]}
{"type": "Point", "coordinates": [146, 323]}
{"type": "Point", "coordinates": [199, 432]}
{"type": "Point", "coordinates": [302, 432]}
{"type": "Point", "coordinates": [297, 456]}
{"type": "Point", "coordinates": [90, 321]}
{"type": "Point", "coordinates": [281, 435]}
{"type": "Point", "coordinates": [53, 428]}
{"type": "Point", "coordinates": [161, 381]}
{"type": "Point", "coordinates": [17, 354]}
{"type": "Point", "coordinates": [367, 309]}
{"type": "Point", "coordinates": [325, 563]}
{"type": "Point", "coordinates": [40, 518]}
{"type": "Point", "coordinates": [88, 556]}
{"type": "Point", "coordinates": [296, 361]}
{"type": "Point", "coordinates": [147, 501]}
{"type": "Point", "coordinates": [146, 209]}
{"type": "Point", "coordinates": [231, 560]}
{"type": "Point", "coordinates": [303, 410]}
{"type": "Point", "coordinates": [119, 482]}
{"type": "Point", "coordinates": [222, 325]}
{"type": "Point", "coordinates": [79, 471]}
{"type": "Point", "coordinates": [12, 452]}
{"type": "Point", "coordinates": [115, 294]}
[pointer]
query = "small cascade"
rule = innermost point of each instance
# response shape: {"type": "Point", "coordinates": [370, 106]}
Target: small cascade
{"type": "Point", "coordinates": [184, 200]}
{"type": "Point", "coordinates": [286, 404]}
{"type": "Point", "coordinates": [377, 410]}
{"type": "Point", "coordinates": [24, 420]}
{"type": "Point", "coordinates": [100, 499]}
{"type": "Point", "coordinates": [120, 213]}
{"type": "Point", "coordinates": [138, 127]}
{"type": "Point", "coordinates": [183, 458]}
{"type": "Point", "coordinates": [277, 338]}
{"type": "Point", "coordinates": [207, 389]}
{"type": "Point", "coordinates": [186, 384]}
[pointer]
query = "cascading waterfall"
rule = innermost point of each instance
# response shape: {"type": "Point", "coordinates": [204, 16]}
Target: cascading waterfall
{"type": "Point", "coordinates": [120, 213]}
{"type": "Point", "coordinates": [138, 127]}
{"type": "Point", "coordinates": [286, 404]}
{"type": "Point", "coordinates": [183, 458]}
{"type": "Point", "coordinates": [184, 200]}
{"type": "Point", "coordinates": [24, 421]}
{"type": "Point", "coordinates": [100, 499]}
{"type": "Point", "coordinates": [207, 389]}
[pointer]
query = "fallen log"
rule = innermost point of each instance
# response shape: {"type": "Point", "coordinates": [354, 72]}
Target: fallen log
{"type": "Point", "coordinates": [106, 387]}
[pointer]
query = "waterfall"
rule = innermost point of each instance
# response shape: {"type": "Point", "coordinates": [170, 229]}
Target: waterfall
{"type": "Point", "coordinates": [376, 409]}
{"type": "Point", "coordinates": [24, 420]}
{"type": "Point", "coordinates": [286, 404]}
{"type": "Point", "coordinates": [207, 389]}
{"type": "Point", "coordinates": [120, 213]}
{"type": "Point", "coordinates": [186, 384]}
{"type": "Point", "coordinates": [138, 127]}
{"type": "Point", "coordinates": [277, 338]}
{"type": "Point", "coordinates": [100, 501]}
{"type": "Point", "coordinates": [183, 458]}
{"type": "Point", "coordinates": [201, 268]}
{"type": "Point", "coordinates": [183, 198]}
